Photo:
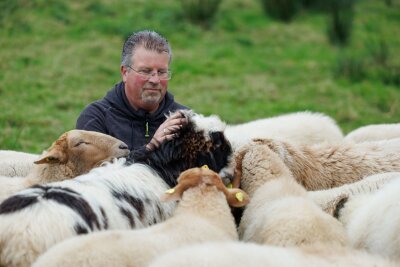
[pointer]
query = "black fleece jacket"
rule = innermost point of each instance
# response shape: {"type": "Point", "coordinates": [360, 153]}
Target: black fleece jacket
{"type": "Point", "coordinates": [113, 115]}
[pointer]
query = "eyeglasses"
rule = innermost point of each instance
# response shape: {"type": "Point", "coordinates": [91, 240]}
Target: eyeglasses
{"type": "Point", "coordinates": [147, 74]}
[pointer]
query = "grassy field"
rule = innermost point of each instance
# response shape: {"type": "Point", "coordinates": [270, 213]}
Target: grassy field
{"type": "Point", "coordinates": [57, 56]}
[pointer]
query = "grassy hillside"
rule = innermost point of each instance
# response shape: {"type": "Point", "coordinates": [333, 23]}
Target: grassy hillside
{"type": "Point", "coordinates": [57, 56]}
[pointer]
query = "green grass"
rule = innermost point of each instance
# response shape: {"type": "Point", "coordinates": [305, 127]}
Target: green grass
{"type": "Point", "coordinates": [58, 56]}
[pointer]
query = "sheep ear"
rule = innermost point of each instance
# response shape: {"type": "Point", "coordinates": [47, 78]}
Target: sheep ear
{"type": "Point", "coordinates": [57, 153]}
{"type": "Point", "coordinates": [172, 194]}
{"type": "Point", "coordinates": [53, 156]}
{"type": "Point", "coordinates": [333, 208]}
{"type": "Point", "coordinates": [237, 198]}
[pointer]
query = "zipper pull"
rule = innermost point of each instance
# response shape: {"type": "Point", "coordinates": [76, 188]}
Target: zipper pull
{"type": "Point", "coordinates": [147, 130]}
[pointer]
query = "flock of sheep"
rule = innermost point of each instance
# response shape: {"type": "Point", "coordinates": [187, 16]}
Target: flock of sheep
{"type": "Point", "coordinates": [302, 194]}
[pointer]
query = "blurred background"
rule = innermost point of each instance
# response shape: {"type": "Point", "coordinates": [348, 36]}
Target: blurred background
{"type": "Point", "coordinates": [239, 59]}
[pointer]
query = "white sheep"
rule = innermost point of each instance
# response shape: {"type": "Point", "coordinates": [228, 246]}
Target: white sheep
{"type": "Point", "coordinates": [374, 132]}
{"type": "Point", "coordinates": [16, 163]}
{"type": "Point", "coordinates": [328, 199]}
{"type": "Point", "coordinates": [202, 215]}
{"type": "Point", "coordinates": [371, 219]}
{"type": "Point", "coordinates": [73, 153]}
{"type": "Point", "coordinates": [300, 127]}
{"type": "Point", "coordinates": [280, 212]}
{"type": "Point", "coordinates": [325, 166]}
{"type": "Point", "coordinates": [109, 197]}
{"type": "Point", "coordinates": [238, 254]}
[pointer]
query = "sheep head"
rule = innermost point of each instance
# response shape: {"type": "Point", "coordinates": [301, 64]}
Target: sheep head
{"type": "Point", "coordinates": [200, 142]}
{"type": "Point", "coordinates": [196, 176]}
{"type": "Point", "coordinates": [83, 150]}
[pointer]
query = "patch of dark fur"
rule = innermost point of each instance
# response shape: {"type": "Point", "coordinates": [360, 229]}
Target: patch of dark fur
{"type": "Point", "coordinates": [104, 219]}
{"type": "Point", "coordinates": [136, 203]}
{"type": "Point", "coordinates": [339, 206]}
{"type": "Point", "coordinates": [129, 216]}
{"type": "Point", "coordinates": [189, 150]}
{"type": "Point", "coordinates": [77, 204]}
{"type": "Point", "coordinates": [45, 188]}
{"type": "Point", "coordinates": [80, 229]}
{"type": "Point", "coordinates": [61, 195]}
{"type": "Point", "coordinates": [237, 214]}
{"type": "Point", "coordinates": [17, 203]}
{"type": "Point", "coordinates": [160, 212]}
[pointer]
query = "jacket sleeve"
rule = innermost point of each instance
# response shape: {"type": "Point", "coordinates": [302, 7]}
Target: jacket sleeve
{"type": "Point", "coordinates": [92, 118]}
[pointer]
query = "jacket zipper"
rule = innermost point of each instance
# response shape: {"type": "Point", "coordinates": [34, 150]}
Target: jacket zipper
{"type": "Point", "coordinates": [146, 134]}
{"type": "Point", "coordinates": [147, 130]}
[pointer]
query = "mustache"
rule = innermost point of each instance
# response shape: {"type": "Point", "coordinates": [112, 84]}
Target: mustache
{"type": "Point", "coordinates": [152, 88]}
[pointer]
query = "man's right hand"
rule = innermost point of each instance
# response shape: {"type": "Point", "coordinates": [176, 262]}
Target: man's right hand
{"type": "Point", "coordinates": [168, 130]}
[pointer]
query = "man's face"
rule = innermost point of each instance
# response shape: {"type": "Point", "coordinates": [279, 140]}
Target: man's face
{"type": "Point", "coordinates": [141, 91]}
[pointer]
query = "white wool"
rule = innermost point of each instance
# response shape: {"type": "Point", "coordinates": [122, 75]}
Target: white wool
{"type": "Point", "coordinates": [300, 127]}
{"type": "Point", "coordinates": [205, 124]}
{"type": "Point", "coordinates": [41, 224]}
{"type": "Point", "coordinates": [208, 124]}
{"type": "Point", "coordinates": [369, 211]}
{"type": "Point", "coordinates": [375, 224]}
{"type": "Point", "coordinates": [237, 254]}
{"type": "Point", "coordinates": [202, 215]}
{"type": "Point", "coordinates": [16, 163]}
{"type": "Point", "coordinates": [367, 185]}
{"type": "Point", "coordinates": [279, 212]}
{"type": "Point", "coordinates": [374, 132]}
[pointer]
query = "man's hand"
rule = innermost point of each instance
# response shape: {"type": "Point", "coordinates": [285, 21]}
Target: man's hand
{"type": "Point", "coordinates": [168, 130]}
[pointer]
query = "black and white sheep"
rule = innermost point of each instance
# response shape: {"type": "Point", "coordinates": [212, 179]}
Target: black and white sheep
{"type": "Point", "coordinates": [202, 215]}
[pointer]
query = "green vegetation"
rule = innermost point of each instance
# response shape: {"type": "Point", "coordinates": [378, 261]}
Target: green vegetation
{"type": "Point", "coordinates": [57, 56]}
{"type": "Point", "coordinates": [283, 10]}
{"type": "Point", "coordinates": [201, 12]}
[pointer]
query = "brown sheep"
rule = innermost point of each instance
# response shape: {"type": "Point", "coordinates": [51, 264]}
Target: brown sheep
{"type": "Point", "coordinates": [74, 153]}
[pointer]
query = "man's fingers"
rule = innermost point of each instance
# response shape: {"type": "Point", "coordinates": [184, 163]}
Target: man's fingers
{"type": "Point", "coordinates": [177, 118]}
{"type": "Point", "coordinates": [174, 122]}
{"type": "Point", "coordinates": [171, 129]}
{"type": "Point", "coordinates": [177, 115]}
{"type": "Point", "coordinates": [174, 128]}
{"type": "Point", "coordinates": [171, 136]}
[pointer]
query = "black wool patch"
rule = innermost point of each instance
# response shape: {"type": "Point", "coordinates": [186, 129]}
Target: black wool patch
{"type": "Point", "coordinates": [129, 216]}
{"type": "Point", "coordinates": [105, 219]}
{"type": "Point", "coordinates": [80, 229]}
{"type": "Point", "coordinates": [134, 202]}
{"type": "Point", "coordinates": [77, 204]}
{"type": "Point", "coordinates": [17, 203]}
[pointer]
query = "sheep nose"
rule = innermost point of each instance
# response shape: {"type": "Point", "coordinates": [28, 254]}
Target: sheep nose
{"type": "Point", "coordinates": [123, 146]}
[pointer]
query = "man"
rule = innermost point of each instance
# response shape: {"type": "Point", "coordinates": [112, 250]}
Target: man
{"type": "Point", "coordinates": [134, 109]}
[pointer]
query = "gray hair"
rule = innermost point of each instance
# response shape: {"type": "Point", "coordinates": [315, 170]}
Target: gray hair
{"type": "Point", "coordinates": [149, 40]}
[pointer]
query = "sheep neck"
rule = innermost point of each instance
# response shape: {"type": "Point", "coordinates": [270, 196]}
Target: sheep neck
{"type": "Point", "coordinates": [259, 166]}
{"type": "Point", "coordinates": [208, 203]}
{"type": "Point", "coordinates": [46, 173]}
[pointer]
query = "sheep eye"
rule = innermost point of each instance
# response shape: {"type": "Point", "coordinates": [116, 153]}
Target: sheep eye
{"type": "Point", "coordinates": [80, 143]}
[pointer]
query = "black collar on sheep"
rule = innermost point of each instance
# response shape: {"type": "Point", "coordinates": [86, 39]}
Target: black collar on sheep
{"type": "Point", "coordinates": [200, 142]}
